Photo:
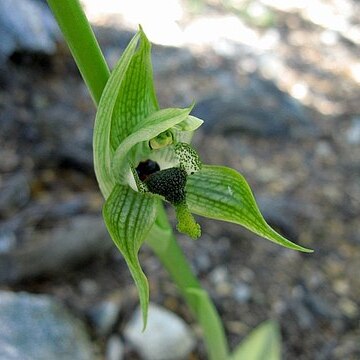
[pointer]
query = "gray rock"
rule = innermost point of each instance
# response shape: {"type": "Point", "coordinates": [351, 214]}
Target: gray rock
{"type": "Point", "coordinates": [14, 193]}
{"type": "Point", "coordinates": [7, 241]}
{"type": "Point", "coordinates": [242, 293]}
{"type": "Point", "coordinates": [37, 327]}
{"type": "Point", "coordinates": [26, 25]}
{"type": "Point", "coordinates": [310, 308]}
{"type": "Point", "coordinates": [105, 315]}
{"type": "Point", "coordinates": [114, 348]}
{"type": "Point", "coordinates": [202, 262]}
{"type": "Point", "coordinates": [167, 337]}
{"type": "Point", "coordinates": [56, 250]}
{"type": "Point", "coordinates": [353, 132]}
{"type": "Point", "coordinates": [89, 287]}
{"type": "Point", "coordinates": [259, 109]}
{"type": "Point", "coordinates": [65, 136]}
{"type": "Point", "coordinates": [219, 275]}
{"type": "Point", "coordinates": [284, 213]}
{"type": "Point", "coordinates": [304, 318]}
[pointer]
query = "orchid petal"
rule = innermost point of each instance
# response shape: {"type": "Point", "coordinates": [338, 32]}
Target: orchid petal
{"type": "Point", "coordinates": [152, 126]}
{"type": "Point", "coordinates": [221, 193]}
{"type": "Point", "coordinates": [129, 216]}
{"type": "Point", "coordinates": [103, 151]}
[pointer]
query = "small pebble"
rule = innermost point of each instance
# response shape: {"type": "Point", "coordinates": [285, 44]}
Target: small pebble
{"type": "Point", "coordinates": [242, 293]}
{"type": "Point", "coordinates": [104, 316]}
{"type": "Point", "coordinates": [353, 132]}
{"type": "Point", "coordinates": [224, 289]}
{"type": "Point", "coordinates": [202, 262]}
{"type": "Point", "coordinates": [14, 193]}
{"type": "Point", "coordinates": [88, 287]}
{"type": "Point", "coordinates": [219, 275]}
{"type": "Point", "coordinates": [7, 241]}
{"type": "Point", "coordinates": [348, 308]}
{"type": "Point", "coordinates": [114, 348]}
{"type": "Point", "coordinates": [167, 337]}
{"type": "Point", "coordinates": [39, 327]}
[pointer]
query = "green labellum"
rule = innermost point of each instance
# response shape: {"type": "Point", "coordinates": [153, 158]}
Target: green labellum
{"type": "Point", "coordinates": [169, 183]}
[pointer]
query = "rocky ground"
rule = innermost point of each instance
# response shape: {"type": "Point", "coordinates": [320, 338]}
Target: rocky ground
{"type": "Point", "coordinates": [286, 116]}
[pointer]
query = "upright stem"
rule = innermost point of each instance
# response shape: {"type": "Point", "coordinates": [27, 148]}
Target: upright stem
{"type": "Point", "coordinates": [174, 261]}
{"type": "Point", "coordinates": [94, 70]}
{"type": "Point", "coordinates": [83, 44]}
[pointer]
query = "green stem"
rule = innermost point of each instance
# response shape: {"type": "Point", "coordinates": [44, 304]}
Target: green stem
{"type": "Point", "coordinates": [94, 70]}
{"type": "Point", "coordinates": [171, 256]}
{"type": "Point", "coordinates": [83, 44]}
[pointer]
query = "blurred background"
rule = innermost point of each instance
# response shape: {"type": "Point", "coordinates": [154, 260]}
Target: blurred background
{"type": "Point", "coordinates": [277, 83]}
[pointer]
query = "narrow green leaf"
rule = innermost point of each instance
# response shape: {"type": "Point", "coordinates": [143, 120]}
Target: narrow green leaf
{"type": "Point", "coordinates": [263, 343]}
{"type": "Point", "coordinates": [136, 97]}
{"type": "Point", "coordinates": [101, 139]}
{"type": "Point", "coordinates": [209, 321]}
{"type": "Point", "coordinates": [150, 127]}
{"type": "Point", "coordinates": [129, 216]}
{"type": "Point", "coordinates": [221, 193]}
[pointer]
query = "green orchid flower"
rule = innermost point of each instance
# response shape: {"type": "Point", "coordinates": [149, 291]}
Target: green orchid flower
{"type": "Point", "coordinates": [142, 157]}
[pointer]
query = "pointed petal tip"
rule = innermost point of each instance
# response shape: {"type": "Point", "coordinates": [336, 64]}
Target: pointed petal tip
{"type": "Point", "coordinates": [144, 318]}
{"type": "Point", "coordinates": [291, 245]}
{"type": "Point", "coordinates": [275, 237]}
{"type": "Point", "coordinates": [296, 247]}
{"type": "Point", "coordinates": [141, 31]}
{"type": "Point", "coordinates": [306, 250]}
